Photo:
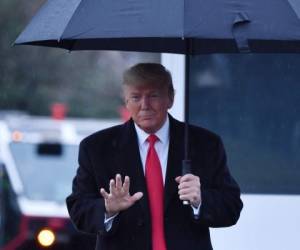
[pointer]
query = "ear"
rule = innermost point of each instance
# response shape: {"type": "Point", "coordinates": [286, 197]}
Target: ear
{"type": "Point", "coordinates": [125, 102]}
{"type": "Point", "coordinates": [124, 97]}
{"type": "Point", "coordinates": [171, 101]}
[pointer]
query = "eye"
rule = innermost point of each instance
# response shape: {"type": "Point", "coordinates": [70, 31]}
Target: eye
{"type": "Point", "coordinates": [135, 98]}
{"type": "Point", "coordinates": [154, 95]}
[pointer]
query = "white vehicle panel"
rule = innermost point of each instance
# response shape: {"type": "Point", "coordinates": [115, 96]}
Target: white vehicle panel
{"type": "Point", "coordinates": [43, 208]}
{"type": "Point", "coordinates": [267, 222]}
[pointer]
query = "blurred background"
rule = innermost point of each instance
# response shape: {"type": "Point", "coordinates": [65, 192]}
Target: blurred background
{"type": "Point", "coordinates": [33, 78]}
{"type": "Point", "coordinates": [50, 99]}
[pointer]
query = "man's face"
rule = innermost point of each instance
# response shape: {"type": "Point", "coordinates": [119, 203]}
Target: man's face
{"type": "Point", "coordinates": [148, 105]}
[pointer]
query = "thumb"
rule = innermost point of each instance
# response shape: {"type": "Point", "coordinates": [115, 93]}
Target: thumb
{"type": "Point", "coordinates": [137, 196]}
{"type": "Point", "coordinates": [177, 179]}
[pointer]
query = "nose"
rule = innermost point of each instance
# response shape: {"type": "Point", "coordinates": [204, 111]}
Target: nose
{"type": "Point", "coordinates": [145, 102]}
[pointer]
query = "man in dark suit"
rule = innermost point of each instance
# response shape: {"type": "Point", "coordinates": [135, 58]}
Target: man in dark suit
{"type": "Point", "coordinates": [128, 189]}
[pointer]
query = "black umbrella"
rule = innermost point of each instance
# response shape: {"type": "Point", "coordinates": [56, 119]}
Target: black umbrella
{"type": "Point", "coordinates": [163, 26]}
{"type": "Point", "coordinates": [176, 26]}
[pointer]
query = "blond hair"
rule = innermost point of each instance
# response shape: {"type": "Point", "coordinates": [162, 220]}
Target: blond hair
{"type": "Point", "coordinates": [153, 74]}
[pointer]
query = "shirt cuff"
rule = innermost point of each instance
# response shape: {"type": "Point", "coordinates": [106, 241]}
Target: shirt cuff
{"type": "Point", "coordinates": [108, 221]}
{"type": "Point", "coordinates": [196, 211]}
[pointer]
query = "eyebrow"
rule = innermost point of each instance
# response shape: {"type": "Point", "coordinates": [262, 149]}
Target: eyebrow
{"type": "Point", "coordinates": [135, 93]}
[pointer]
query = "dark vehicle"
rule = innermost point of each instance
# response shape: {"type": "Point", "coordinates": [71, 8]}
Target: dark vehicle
{"type": "Point", "coordinates": [38, 159]}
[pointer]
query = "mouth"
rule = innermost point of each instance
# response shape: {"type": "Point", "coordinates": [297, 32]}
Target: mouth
{"type": "Point", "coordinates": [147, 116]}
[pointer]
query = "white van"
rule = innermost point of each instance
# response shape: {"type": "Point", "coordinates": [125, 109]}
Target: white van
{"type": "Point", "coordinates": [38, 158]}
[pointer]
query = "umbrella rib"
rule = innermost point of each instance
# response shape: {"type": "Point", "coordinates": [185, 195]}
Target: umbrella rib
{"type": "Point", "coordinates": [295, 6]}
{"type": "Point", "coordinates": [61, 37]}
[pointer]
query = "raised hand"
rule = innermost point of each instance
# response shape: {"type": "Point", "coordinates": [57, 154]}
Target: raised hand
{"type": "Point", "coordinates": [119, 198]}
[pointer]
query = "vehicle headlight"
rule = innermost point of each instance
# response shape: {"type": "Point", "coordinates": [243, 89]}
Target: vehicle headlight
{"type": "Point", "coordinates": [46, 237]}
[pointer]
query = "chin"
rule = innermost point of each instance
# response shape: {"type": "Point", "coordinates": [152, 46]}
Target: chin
{"type": "Point", "coordinates": [149, 128]}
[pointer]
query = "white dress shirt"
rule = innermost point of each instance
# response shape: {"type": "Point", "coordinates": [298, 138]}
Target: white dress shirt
{"type": "Point", "coordinates": [161, 145]}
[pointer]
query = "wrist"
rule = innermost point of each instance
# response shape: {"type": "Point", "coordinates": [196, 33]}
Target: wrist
{"type": "Point", "coordinates": [196, 204]}
{"type": "Point", "coordinates": [110, 214]}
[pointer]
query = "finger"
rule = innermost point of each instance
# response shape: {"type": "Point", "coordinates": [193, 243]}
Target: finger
{"type": "Point", "coordinates": [112, 187]}
{"type": "Point", "coordinates": [189, 195]}
{"type": "Point", "coordinates": [177, 179]}
{"type": "Point", "coordinates": [189, 184]}
{"type": "Point", "coordinates": [187, 177]}
{"type": "Point", "coordinates": [137, 196]}
{"type": "Point", "coordinates": [195, 200]}
{"type": "Point", "coordinates": [184, 197]}
{"type": "Point", "coordinates": [104, 193]}
{"type": "Point", "coordinates": [190, 192]}
{"type": "Point", "coordinates": [118, 182]}
{"type": "Point", "coordinates": [184, 185]}
{"type": "Point", "coordinates": [192, 199]}
{"type": "Point", "coordinates": [187, 191]}
{"type": "Point", "coordinates": [190, 177]}
{"type": "Point", "coordinates": [126, 185]}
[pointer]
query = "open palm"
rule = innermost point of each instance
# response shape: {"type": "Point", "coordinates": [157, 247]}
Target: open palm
{"type": "Point", "coordinates": [119, 198]}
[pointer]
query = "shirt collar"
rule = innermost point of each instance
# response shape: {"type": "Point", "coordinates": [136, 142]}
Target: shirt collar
{"type": "Point", "coordinates": [162, 133]}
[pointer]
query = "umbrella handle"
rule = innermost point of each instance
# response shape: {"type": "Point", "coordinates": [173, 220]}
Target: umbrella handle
{"type": "Point", "coordinates": [186, 169]}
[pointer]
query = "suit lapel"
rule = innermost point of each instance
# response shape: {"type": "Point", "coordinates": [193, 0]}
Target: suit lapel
{"type": "Point", "coordinates": [129, 162]}
{"type": "Point", "coordinates": [175, 157]}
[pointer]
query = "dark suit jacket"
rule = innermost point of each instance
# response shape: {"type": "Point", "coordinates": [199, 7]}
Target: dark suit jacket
{"type": "Point", "coordinates": [115, 150]}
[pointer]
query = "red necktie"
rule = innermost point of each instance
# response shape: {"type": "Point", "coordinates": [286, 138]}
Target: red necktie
{"type": "Point", "coordinates": [155, 189]}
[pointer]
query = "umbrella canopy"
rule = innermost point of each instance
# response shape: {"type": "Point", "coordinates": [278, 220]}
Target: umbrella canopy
{"type": "Point", "coordinates": [215, 26]}
{"type": "Point", "coordinates": [176, 26]}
